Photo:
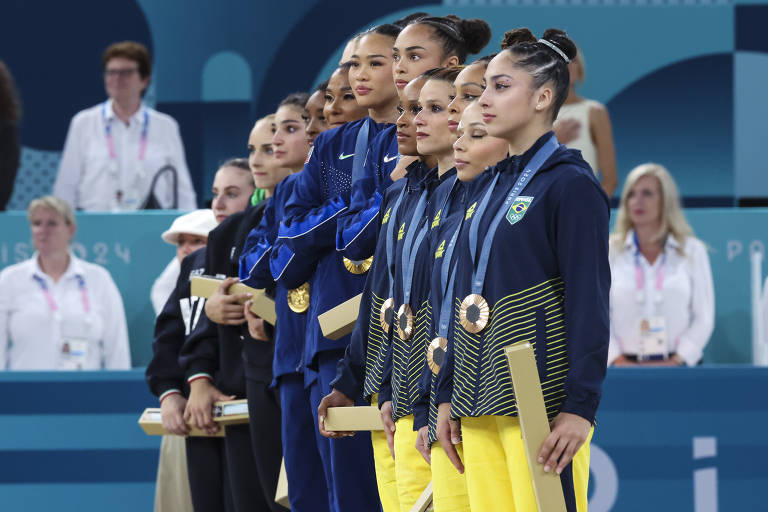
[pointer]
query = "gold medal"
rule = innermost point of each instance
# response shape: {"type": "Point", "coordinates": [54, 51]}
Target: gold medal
{"type": "Point", "coordinates": [358, 267]}
{"type": "Point", "coordinates": [474, 313]}
{"type": "Point", "coordinates": [436, 354]}
{"type": "Point", "coordinates": [405, 322]}
{"type": "Point", "coordinates": [387, 314]}
{"type": "Point", "coordinates": [298, 298]}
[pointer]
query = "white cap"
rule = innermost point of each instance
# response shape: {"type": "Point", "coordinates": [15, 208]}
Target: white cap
{"type": "Point", "coordinates": [198, 222]}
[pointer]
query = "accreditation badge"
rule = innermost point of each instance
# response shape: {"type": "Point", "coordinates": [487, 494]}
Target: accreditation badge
{"type": "Point", "coordinates": [474, 313]}
{"type": "Point", "coordinates": [405, 322]}
{"type": "Point", "coordinates": [358, 267]}
{"type": "Point", "coordinates": [653, 339]}
{"type": "Point", "coordinates": [298, 298]}
{"type": "Point", "coordinates": [387, 314]}
{"type": "Point", "coordinates": [436, 354]}
{"type": "Point", "coordinates": [73, 354]}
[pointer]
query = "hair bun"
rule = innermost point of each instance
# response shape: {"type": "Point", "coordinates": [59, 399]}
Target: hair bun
{"type": "Point", "coordinates": [560, 39]}
{"type": "Point", "coordinates": [517, 36]}
{"type": "Point", "coordinates": [476, 33]}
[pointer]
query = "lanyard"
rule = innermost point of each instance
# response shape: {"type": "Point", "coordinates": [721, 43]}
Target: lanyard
{"type": "Point", "coordinates": [361, 150]}
{"type": "Point", "coordinates": [392, 220]}
{"type": "Point", "coordinates": [110, 139]}
{"type": "Point", "coordinates": [478, 275]}
{"type": "Point", "coordinates": [52, 302]}
{"type": "Point", "coordinates": [411, 247]}
{"type": "Point", "coordinates": [640, 275]}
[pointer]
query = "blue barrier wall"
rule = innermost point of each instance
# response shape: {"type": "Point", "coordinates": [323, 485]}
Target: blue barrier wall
{"type": "Point", "coordinates": [70, 441]}
{"type": "Point", "coordinates": [687, 97]}
{"type": "Point", "coordinates": [129, 246]}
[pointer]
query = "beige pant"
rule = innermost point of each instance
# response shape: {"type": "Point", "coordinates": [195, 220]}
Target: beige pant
{"type": "Point", "coordinates": [172, 487]}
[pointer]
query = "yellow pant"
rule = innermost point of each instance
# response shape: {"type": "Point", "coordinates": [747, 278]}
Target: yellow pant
{"type": "Point", "coordinates": [385, 469]}
{"type": "Point", "coordinates": [449, 487]}
{"type": "Point", "coordinates": [412, 471]}
{"type": "Point", "coordinates": [497, 471]}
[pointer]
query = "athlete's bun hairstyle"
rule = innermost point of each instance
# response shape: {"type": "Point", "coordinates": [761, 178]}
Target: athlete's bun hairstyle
{"type": "Point", "coordinates": [458, 36]}
{"type": "Point", "coordinates": [545, 59]}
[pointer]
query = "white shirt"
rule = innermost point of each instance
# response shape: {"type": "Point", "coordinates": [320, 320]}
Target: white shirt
{"type": "Point", "coordinates": [89, 179]}
{"type": "Point", "coordinates": [164, 285]}
{"type": "Point", "coordinates": [687, 298]}
{"type": "Point", "coordinates": [581, 111]}
{"type": "Point", "coordinates": [33, 336]}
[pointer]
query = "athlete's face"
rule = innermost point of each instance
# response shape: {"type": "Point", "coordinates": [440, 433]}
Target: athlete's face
{"type": "Point", "coordinates": [187, 243]}
{"type": "Point", "coordinates": [340, 103]}
{"type": "Point", "coordinates": [416, 51]}
{"type": "Point", "coordinates": [260, 152]}
{"type": "Point", "coordinates": [232, 190]}
{"type": "Point", "coordinates": [290, 139]}
{"type": "Point", "coordinates": [475, 150]}
{"type": "Point", "coordinates": [509, 101]}
{"type": "Point", "coordinates": [644, 202]}
{"type": "Point", "coordinates": [469, 87]}
{"type": "Point", "coordinates": [408, 109]}
{"type": "Point", "coordinates": [370, 72]}
{"type": "Point", "coordinates": [433, 138]}
{"type": "Point", "coordinates": [315, 120]}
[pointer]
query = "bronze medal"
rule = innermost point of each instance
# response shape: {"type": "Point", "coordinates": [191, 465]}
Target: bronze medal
{"type": "Point", "coordinates": [387, 314]}
{"type": "Point", "coordinates": [358, 267]}
{"type": "Point", "coordinates": [436, 354]}
{"type": "Point", "coordinates": [474, 313]}
{"type": "Point", "coordinates": [298, 298]}
{"type": "Point", "coordinates": [405, 322]}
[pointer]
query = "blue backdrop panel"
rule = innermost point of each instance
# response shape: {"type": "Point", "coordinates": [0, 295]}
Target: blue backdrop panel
{"type": "Point", "coordinates": [666, 440]}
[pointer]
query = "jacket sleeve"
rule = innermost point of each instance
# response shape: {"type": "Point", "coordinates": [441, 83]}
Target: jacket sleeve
{"type": "Point", "coordinates": [254, 259]}
{"type": "Point", "coordinates": [582, 250]}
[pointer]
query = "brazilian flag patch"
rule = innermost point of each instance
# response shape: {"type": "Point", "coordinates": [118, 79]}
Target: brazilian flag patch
{"type": "Point", "coordinates": [518, 209]}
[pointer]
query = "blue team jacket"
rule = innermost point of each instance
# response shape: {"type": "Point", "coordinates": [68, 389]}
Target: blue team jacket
{"type": "Point", "coordinates": [548, 283]}
{"type": "Point", "coordinates": [308, 231]}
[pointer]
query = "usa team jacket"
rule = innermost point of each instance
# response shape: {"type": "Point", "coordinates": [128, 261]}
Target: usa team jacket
{"type": "Point", "coordinates": [548, 282]}
{"type": "Point", "coordinates": [357, 227]}
{"type": "Point", "coordinates": [446, 214]}
{"type": "Point", "coordinates": [179, 315]}
{"type": "Point", "coordinates": [255, 271]}
{"type": "Point", "coordinates": [362, 367]}
{"type": "Point", "coordinates": [321, 192]}
{"type": "Point", "coordinates": [408, 356]}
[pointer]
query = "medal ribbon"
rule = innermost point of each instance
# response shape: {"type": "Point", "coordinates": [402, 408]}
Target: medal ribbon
{"type": "Point", "coordinates": [361, 149]}
{"type": "Point", "coordinates": [110, 140]}
{"type": "Point", "coordinates": [390, 242]}
{"type": "Point", "coordinates": [411, 248]}
{"type": "Point", "coordinates": [478, 275]}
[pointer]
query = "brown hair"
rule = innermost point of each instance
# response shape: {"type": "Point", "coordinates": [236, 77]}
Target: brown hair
{"type": "Point", "coordinates": [10, 110]}
{"type": "Point", "coordinates": [129, 50]}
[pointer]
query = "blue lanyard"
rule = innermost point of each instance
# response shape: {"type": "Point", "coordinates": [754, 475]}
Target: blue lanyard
{"type": "Point", "coordinates": [111, 142]}
{"type": "Point", "coordinates": [411, 248]}
{"type": "Point", "coordinates": [392, 220]}
{"type": "Point", "coordinates": [361, 148]}
{"type": "Point", "coordinates": [447, 285]}
{"type": "Point", "coordinates": [541, 156]}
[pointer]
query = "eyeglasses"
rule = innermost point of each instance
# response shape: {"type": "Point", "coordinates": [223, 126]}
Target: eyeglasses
{"type": "Point", "coordinates": [122, 73]}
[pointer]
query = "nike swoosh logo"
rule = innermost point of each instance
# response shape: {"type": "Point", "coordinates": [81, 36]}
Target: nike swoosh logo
{"type": "Point", "coordinates": [388, 158]}
{"type": "Point", "coordinates": [344, 157]}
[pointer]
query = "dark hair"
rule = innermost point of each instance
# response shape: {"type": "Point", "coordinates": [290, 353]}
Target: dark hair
{"type": "Point", "coordinates": [129, 50]}
{"type": "Point", "coordinates": [446, 74]}
{"type": "Point", "coordinates": [10, 110]}
{"type": "Point", "coordinates": [322, 86]}
{"type": "Point", "coordinates": [543, 62]}
{"type": "Point", "coordinates": [239, 163]}
{"type": "Point", "coordinates": [295, 99]}
{"type": "Point", "coordinates": [457, 36]}
{"type": "Point", "coordinates": [485, 59]}
{"type": "Point", "coordinates": [393, 29]}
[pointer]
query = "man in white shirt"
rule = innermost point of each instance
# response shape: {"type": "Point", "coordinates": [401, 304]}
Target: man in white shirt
{"type": "Point", "coordinates": [115, 149]}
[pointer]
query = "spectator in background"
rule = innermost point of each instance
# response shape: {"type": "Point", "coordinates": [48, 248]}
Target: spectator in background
{"type": "Point", "coordinates": [10, 146]}
{"type": "Point", "coordinates": [314, 118]}
{"type": "Point", "coordinates": [662, 297]}
{"type": "Point", "coordinates": [585, 125]}
{"type": "Point", "coordinates": [115, 149]}
{"type": "Point", "coordinates": [232, 191]}
{"type": "Point", "coordinates": [58, 312]}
